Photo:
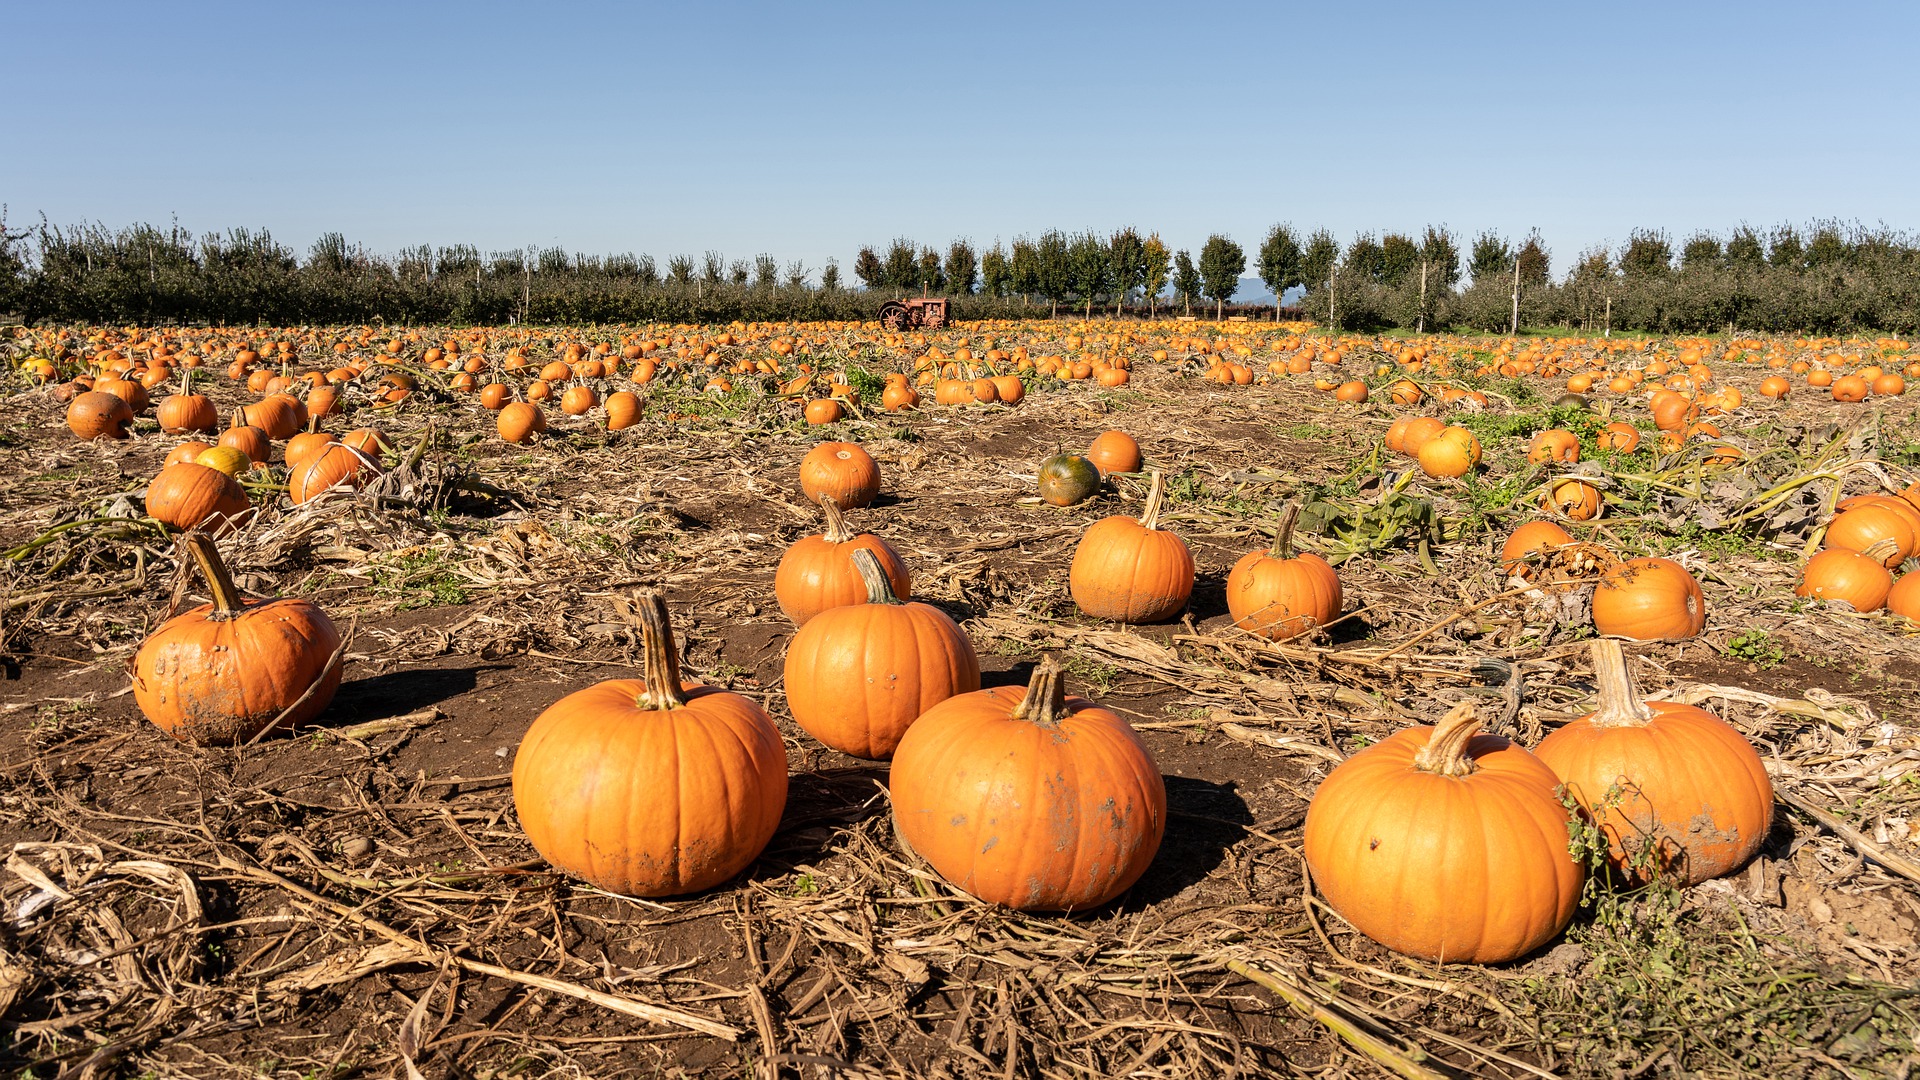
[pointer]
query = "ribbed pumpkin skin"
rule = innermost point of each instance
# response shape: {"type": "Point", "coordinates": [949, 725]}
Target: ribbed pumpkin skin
{"type": "Point", "coordinates": [816, 574]}
{"type": "Point", "coordinates": [185, 496]}
{"type": "Point", "coordinates": [1282, 598]}
{"type": "Point", "coordinates": [857, 677]}
{"type": "Point", "coordinates": [1869, 522]}
{"type": "Point", "coordinates": [181, 413]}
{"type": "Point", "coordinates": [1690, 779]}
{"type": "Point", "coordinates": [336, 464]}
{"type": "Point", "coordinates": [1035, 818]}
{"type": "Point", "coordinates": [1649, 598]}
{"type": "Point", "coordinates": [840, 469]}
{"type": "Point", "coordinates": [1128, 573]}
{"type": "Point", "coordinates": [219, 683]}
{"type": "Point", "coordinates": [1838, 574]}
{"type": "Point", "coordinates": [650, 802]}
{"type": "Point", "coordinates": [1471, 868]}
{"type": "Point", "coordinates": [1528, 539]}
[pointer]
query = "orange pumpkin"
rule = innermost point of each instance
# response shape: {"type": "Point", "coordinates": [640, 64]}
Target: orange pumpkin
{"type": "Point", "coordinates": [859, 675]}
{"type": "Point", "coordinates": [1029, 798]}
{"type": "Point", "coordinates": [1677, 791]}
{"type": "Point", "coordinates": [1276, 595]}
{"type": "Point", "coordinates": [1575, 499]}
{"type": "Point", "coordinates": [651, 787]}
{"type": "Point", "coordinates": [249, 440]}
{"type": "Point", "coordinates": [843, 470]}
{"type": "Point", "coordinates": [1620, 436]}
{"type": "Point", "coordinates": [1397, 839]}
{"type": "Point", "coordinates": [187, 411]}
{"type": "Point", "coordinates": [97, 413]}
{"type": "Point", "coordinates": [817, 572]}
{"type": "Point", "coordinates": [1859, 579]}
{"type": "Point", "coordinates": [824, 411]}
{"type": "Point", "coordinates": [1870, 523]}
{"type": "Point", "coordinates": [1531, 544]}
{"type": "Point", "coordinates": [1850, 388]}
{"type": "Point", "coordinates": [1904, 598]}
{"type": "Point", "coordinates": [334, 467]}
{"type": "Point", "coordinates": [1114, 452]}
{"type": "Point", "coordinates": [1647, 599]}
{"type": "Point", "coordinates": [1554, 444]}
{"type": "Point", "coordinates": [623, 410]}
{"type": "Point", "coordinates": [1354, 392]}
{"type": "Point", "coordinates": [1132, 571]}
{"type": "Point", "coordinates": [188, 496]}
{"type": "Point", "coordinates": [520, 422]}
{"type": "Point", "coordinates": [1452, 452]}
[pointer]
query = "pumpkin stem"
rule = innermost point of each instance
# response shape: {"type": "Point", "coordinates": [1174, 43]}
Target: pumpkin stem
{"type": "Point", "coordinates": [660, 656]}
{"type": "Point", "coordinates": [1880, 549]}
{"type": "Point", "coordinates": [227, 601]}
{"type": "Point", "coordinates": [1446, 749]}
{"type": "Point", "coordinates": [1150, 518]}
{"type": "Point", "coordinates": [1046, 700]}
{"type": "Point", "coordinates": [239, 418]}
{"type": "Point", "coordinates": [1283, 536]}
{"type": "Point", "coordinates": [1620, 703]}
{"type": "Point", "coordinates": [874, 576]}
{"type": "Point", "coordinates": [837, 531]}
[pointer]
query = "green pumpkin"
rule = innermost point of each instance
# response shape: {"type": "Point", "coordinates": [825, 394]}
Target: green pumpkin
{"type": "Point", "coordinates": [1067, 479]}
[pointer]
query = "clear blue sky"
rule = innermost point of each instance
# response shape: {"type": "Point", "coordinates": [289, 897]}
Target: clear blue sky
{"type": "Point", "coordinates": [804, 130]}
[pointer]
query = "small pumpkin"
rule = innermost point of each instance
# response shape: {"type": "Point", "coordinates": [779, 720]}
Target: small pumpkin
{"type": "Point", "coordinates": [1676, 790]}
{"type": "Point", "coordinates": [188, 496]}
{"type": "Point", "coordinates": [651, 787]}
{"type": "Point", "coordinates": [859, 675]}
{"type": "Point", "coordinates": [843, 470]}
{"type": "Point", "coordinates": [187, 411]}
{"type": "Point", "coordinates": [1452, 452]}
{"type": "Point", "coordinates": [1029, 798]}
{"type": "Point", "coordinates": [623, 410]}
{"type": "Point", "coordinates": [520, 422]}
{"type": "Point", "coordinates": [1904, 598]}
{"type": "Point", "coordinates": [578, 400]}
{"type": "Point", "coordinates": [97, 413]}
{"type": "Point", "coordinates": [223, 674]}
{"type": "Point", "coordinates": [1132, 571]}
{"type": "Point", "coordinates": [1574, 499]}
{"type": "Point", "coordinates": [227, 459]}
{"type": "Point", "coordinates": [1619, 436]}
{"type": "Point", "coordinates": [1554, 445]}
{"type": "Point", "coordinates": [822, 411]}
{"type": "Point", "coordinates": [817, 572]}
{"type": "Point", "coordinates": [250, 441]}
{"type": "Point", "coordinates": [1276, 595]}
{"type": "Point", "coordinates": [1397, 840]}
{"type": "Point", "coordinates": [337, 466]}
{"type": "Point", "coordinates": [1114, 452]}
{"type": "Point", "coordinates": [186, 451]}
{"type": "Point", "coordinates": [1860, 579]}
{"type": "Point", "coordinates": [1649, 598]}
{"type": "Point", "coordinates": [1068, 479]}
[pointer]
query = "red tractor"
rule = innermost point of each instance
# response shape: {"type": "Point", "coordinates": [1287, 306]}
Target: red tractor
{"type": "Point", "coordinates": [919, 313]}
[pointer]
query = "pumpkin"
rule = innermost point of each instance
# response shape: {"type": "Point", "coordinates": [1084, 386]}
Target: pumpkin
{"type": "Point", "coordinates": [898, 396]}
{"type": "Point", "coordinates": [305, 445]}
{"type": "Point", "coordinates": [1904, 598]}
{"type": "Point", "coordinates": [824, 411]}
{"type": "Point", "coordinates": [1540, 552]}
{"type": "Point", "coordinates": [1870, 524]}
{"type": "Point", "coordinates": [1673, 412]}
{"type": "Point", "coordinates": [1858, 578]}
{"type": "Point", "coordinates": [1647, 599]}
{"type": "Point", "coordinates": [225, 673]}
{"type": "Point", "coordinates": [520, 422]}
{"type": "Point", "coordinates": [1068, 479]}
{"type": "Point", "coordinates": [1850, 388]}
{"type": "Point", "coordinates": [1132, 571]}
{"type": "Point", "coordinates": [97, 413]}
{"type": "Point", "coordinates": [1889, 385]}
{"type": "Point", "coordinates": [1576, 499]}
{"type": "Point", "coordinates": [578, 400]}
{"type": "Point", "coordinates": [1775, 387]}
{"type": "Point", "coordinates": [817, 572]}
{"type": "Point", "coordinates": [1554, 444]}
{"type": "Point", "coordinates": [1027, 797]}
{"type": "Point", "coordinates": [1011, 390]}
{"type": "Point", "coordinates": [648, 787]}
{"type": "Point", "coordinates": [334, 467]}
{"type": "Point", "coordinates": [1354, 392]}
{"type": "Point", "coordinates": [373, 441]}
{"type": "Point", "coordinates": [1114, 452]}
{"type": "Point", "coordinates": [1677, 791]}
{"type": "Point", "coordinates": [1419, 431]}
{"type": "Point", "coordinates": [1452, 452]}
{"type": "Point", "coordinates": [843, 470]}
{"type": "Point", "coordinates": [186, 451]}
{"type": "Point", "coordinates": [1445, 844]}
{"type": "Point", "coordinates": [250, 441]}
{"type": "Point", "coordinates": [623, 410]}
{"type": "Point", "coordinates": [227, 459]}
{"type": "Point", "coordinates": [275, 414]}
{"type": "Point", "coordinates": [187, 496]}
{"type": "Point", "coordinates": [126, 390]}
{"type": "Point", "coordinates": [1276, 595]}
{"type": "Point", "coordinates": [858, 675]}
{"type": "Point", "coordinates": [187, 411]}
{"type": "Point", "coordinates": [494, 396]}
{"type": "Point", "coordinates": [1619, 436]}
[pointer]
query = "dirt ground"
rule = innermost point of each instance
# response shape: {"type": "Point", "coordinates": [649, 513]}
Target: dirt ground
{"type": "Point", "coordinates": [357, 898]}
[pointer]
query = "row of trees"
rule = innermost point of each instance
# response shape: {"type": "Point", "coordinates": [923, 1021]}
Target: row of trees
{"type": "Point", "coordinates": [1823, 278]}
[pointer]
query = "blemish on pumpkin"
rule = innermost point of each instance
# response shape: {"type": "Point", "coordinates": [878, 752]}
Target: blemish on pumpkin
{"type": "Point", "coordinates": [1373, 843]}
{"type": "Point", "coordinates": [990, 845]}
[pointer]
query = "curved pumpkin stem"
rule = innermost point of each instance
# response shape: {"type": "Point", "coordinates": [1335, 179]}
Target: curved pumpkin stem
{"type": "Point", "coordinates": [227, 601]}
{"type": "Point", "coordinates": [660, 656]}
{"type": "Point", "coordinates": [837, 531]}
{"type": "Point", "coordinates": [1283, 535]}
{"type": "Point", "coordinates": [239, 418]}
{"type": "Point", "coordinates": [1620, 703]}
{"type": "Point", "coordinates": [1446, 749]}
{"type": "Point", "coordinates": [1046, 700]}
{"type": "Point", "coordinates": [1150, 517]}
{"type": "Point", "coordinates": [874, 577]}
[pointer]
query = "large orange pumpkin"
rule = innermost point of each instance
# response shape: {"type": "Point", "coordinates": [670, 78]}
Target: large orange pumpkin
{"type": "Point", "coordinates": [1677, 790]}
{"type": "Point", "coordinates": [817, 572]}
{"type": "Point", "coordinates": [859, 675]}
{"type": "Point", "coordinates": [1132, 571]}
{"type": "Point", "coordinates": [187, 411]}
{"type": "Point", "coordinates": [224, 673]}
{"type": "Point", "coordinates": [651, 787]}
{"type": "Point", "coordinates": [1452, 452]}
{"type": "Point", "coordinates": [1877, 524]}
{"type": "Point", "coordinates": [187, 496]}
{"type": "Point", "coordinates": [1445, 844]}
{"type": "Point", "coordinates": [520, 422]}
{"type": "Point", "coordinates": [1029, 798]}
{"type": "Point", "coordinates": [334, 466]}
{"type": "Point", "coordinates": [97, 413]}
{"type": "Point", "coordinates": [843, 470]}
{"type": "Point", "coordinates": [1858, 578]}
{"type": "Point", "coordinates": [1114, 452]}
{"type": "Point", "coordinates": [1649, 598]}
{"type": "Point", "coordinates": [1276, 595]}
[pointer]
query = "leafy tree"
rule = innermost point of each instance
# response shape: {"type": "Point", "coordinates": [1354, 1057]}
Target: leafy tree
{"type": "Point", "coordinates": [1280, 263]}
{"type": "Point", "coordinates": [1399, 259]}
{"type": "Point", "coordinates": [830, 274]}
{"type": "Point", "coordinates": [1024, 268]}
{"type": "Point", "coordinates": [1154, 260]}
{"type": "Point", "coordinates": [1785, 249]}
{"type": "Point", "coordinates": [1221, 264]}
{"type": "Point", "coordinates": [766, 271]}
{"type": "Point", "coordinates": [1441, 252]}
{"type": "Point", "coordinates": [1053, 267]}
{"type": "Point", "coordinates": [1700, 252]}
{"type": "Point", "coordinates": [1186, 279]}
{"type": "Point", "coordinates": [796, 275]}
{"type": "Point", "coordinates": [1321, 256]}
{"type": "Point", "coordinates": [331, 254]}
{"type": "Point", "coordinates": [645, 271]}
{"type": "Point", "coordinates": [869, 269]}
{"type": "Point", "coordinates": [1366, 261]}
{"type": "Point", "coordinates": [1744, 249]}
{"type": "Point", "coordinates": [902, 266]}
{"type": "Point", "coordinates": [996, 272]}
{"type": "Point", "coordinates": [930, 279]}
{"type": "Point", "coordinates": [1090, 269]}
{"type": "Point", "coordinates": [1536, 263]}
{"type": "Point", "coordinates": [1127, 265]}
{"type": "Point", "coordinates": [1491, 258]}
{"type": "Point", "coordinates": [713, 268]}
{"type": "Point", "coordinates": [13, 266]}
{"type": "Point", "coordinates": [679, 269]}
{"type": "Point", "coordinates": [1827, 246]}
{"type": "Point", "coordinates": [553, 261]}
{"type": "Point", "coordinates": [1648, 254]}
{"type": "Point", "coordinates": [962, 269]}
{"type": "Point", "coordinates": [738, 271]}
